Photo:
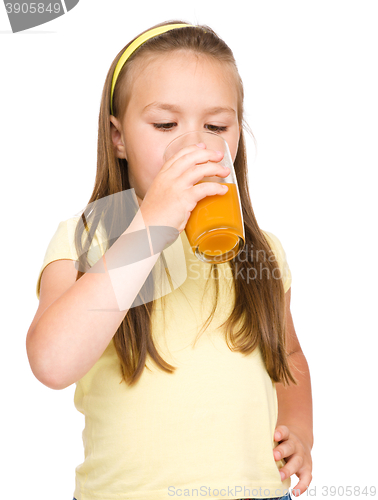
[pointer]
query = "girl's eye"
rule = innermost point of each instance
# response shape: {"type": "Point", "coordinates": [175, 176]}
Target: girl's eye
{"type": "Point", "coordinates": [162, 126]}
{"type": "Point", "coordinates": [217, 129]}
{"type": "Point", "coordinates": [166, 127]}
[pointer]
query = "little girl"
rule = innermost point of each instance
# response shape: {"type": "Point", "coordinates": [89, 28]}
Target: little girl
{"type": "Point", "coordinates": [169, 412]}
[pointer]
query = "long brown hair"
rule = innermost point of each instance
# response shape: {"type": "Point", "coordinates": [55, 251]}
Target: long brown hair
{"type": "Point", "coordinates": [260, 305]}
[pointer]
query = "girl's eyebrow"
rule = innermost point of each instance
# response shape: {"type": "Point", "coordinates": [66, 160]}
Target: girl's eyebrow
{"type": "Point", "coordinates": [172, 107]}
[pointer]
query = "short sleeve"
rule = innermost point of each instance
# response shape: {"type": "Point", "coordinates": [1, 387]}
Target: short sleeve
{"type": "Point", "coordinates": [62, 246]}
{"type": "Point", "coordinates": [280, 255]}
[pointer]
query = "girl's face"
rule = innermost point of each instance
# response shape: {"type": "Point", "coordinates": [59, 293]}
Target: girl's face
{"type": "Point", "coordinates": [170, 96]}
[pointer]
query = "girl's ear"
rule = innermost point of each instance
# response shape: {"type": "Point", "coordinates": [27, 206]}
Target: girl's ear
{"type": "Point", "coordinates": [116, 134]}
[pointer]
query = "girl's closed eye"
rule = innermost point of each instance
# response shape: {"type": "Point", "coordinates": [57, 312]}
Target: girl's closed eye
{"type": "Point", "coordinates": [166, 127]}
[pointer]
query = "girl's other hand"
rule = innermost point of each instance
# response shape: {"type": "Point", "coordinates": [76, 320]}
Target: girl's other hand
{"type": "Point", "coordinates": [173, 194]}
{"type": "Point", "coordinates": [293, 446]}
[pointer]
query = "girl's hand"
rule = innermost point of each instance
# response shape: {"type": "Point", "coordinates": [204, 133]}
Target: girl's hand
{"type": "Point", "coordinates": [172, 195]}
{"type": "Point", "coordinates": [294, 446]}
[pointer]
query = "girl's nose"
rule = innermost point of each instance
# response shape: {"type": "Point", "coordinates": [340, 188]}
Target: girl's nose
{"type": "Point", "coordinates": [197, 137]}
{"type": "Point", "coordinates": [192, 137]}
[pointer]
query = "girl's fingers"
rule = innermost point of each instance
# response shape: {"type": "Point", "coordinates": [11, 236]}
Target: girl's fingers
{"type": "Point", "coordinates": [284, 432]}
{"type": "Point", "coordinates": [204, 189]}
{"type": "Point", "coordinates": [198, 172]}
{"type": "Point", "coordinates": [285, 449]}
{"type": "Point", "coordinates": [305, 481]}
{"type": "Point", "coordinates": [192, 157]}
{"type": "Point", "coordinates": [296, 460]}
{"type": "Point", "coordinates": [292, 466]}
{"type": "Point", "coordinates": [180, 153]}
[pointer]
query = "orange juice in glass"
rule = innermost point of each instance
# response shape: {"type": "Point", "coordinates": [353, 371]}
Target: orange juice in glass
{"type": "Point", "coordinates": [215, 229]}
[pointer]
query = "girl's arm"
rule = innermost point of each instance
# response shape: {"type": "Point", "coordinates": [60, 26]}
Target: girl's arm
{"type": "Point", "coordinates": [295, 401]}
{"type": "Point", "coordinates": [76, 320]}
{"type": "Point", "coordinates": [294, 429]}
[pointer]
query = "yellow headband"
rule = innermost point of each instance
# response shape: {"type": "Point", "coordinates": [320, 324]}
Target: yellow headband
{"type": "Point", "coordinates": [133, 46]}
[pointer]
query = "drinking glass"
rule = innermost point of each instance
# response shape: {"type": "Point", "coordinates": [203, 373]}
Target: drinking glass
{"type": "Point", "coordinates": [215, 228]}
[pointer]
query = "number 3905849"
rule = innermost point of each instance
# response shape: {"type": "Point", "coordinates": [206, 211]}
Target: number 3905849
{"type": "Point", "coordinates": [40, 8]}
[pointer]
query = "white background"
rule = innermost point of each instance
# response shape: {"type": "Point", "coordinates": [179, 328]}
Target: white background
{"type": "Point", "coordinates": [310, 77]}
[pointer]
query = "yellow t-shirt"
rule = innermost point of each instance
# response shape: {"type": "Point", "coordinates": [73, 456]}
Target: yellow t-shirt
{"type": "Point", "coordinates": [204, 431]}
